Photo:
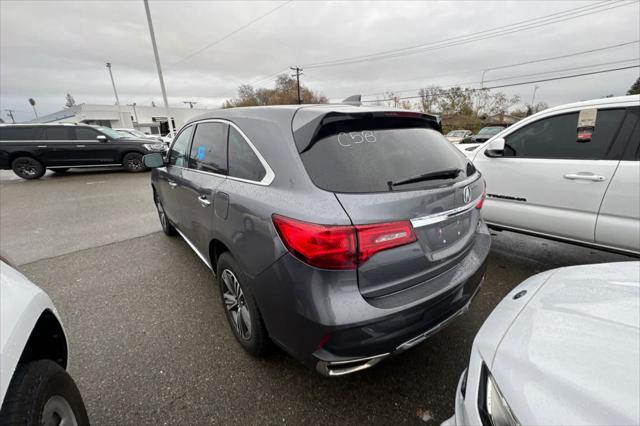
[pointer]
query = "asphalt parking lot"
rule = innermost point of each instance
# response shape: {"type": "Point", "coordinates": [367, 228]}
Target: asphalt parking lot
{"type": "Point", "coordinates": [149, 341]}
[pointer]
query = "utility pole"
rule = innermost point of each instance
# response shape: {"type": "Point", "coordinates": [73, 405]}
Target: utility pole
{"type": "Point", "coordinates": [10, 114]}
{"type": "Point", "coordinates": [155, 53]}
{"type": "Point", "coordinates": [533, 98]}
{"type": "Point", "coordinates": [298, 73]}
{"type": "Point", "coordinates": [190, 103]}
{"type": "Point", "coordinates": [115, 92]}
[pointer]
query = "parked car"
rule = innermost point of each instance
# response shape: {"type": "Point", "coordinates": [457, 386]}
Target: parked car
{"type": "Point", "coordinates": [551, 175]}
{"type": "Point", "coordinates": [137, 134]}
{"type": "Point", "coordinates": [563, 348]}
{"type": "Point", "coordinates": [35, 386]}
{"type": "Point", "coordinates": [30, 149]}
{"type": "Point", "coordinates": [455, 136]}
{"type": "Point", "coordinates": [168, 138]}
{"type": "Point", "coordinates": [483, 135]}
{"type": "Point", "coordinates": [344, 234]}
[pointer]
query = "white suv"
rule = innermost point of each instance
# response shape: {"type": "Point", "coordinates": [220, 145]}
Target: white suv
{"type": "Point", "coordinates": [570, 173]}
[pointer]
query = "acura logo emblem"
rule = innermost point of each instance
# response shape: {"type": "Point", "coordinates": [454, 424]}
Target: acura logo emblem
{"type": "Point", "coordinates": [466, 195]}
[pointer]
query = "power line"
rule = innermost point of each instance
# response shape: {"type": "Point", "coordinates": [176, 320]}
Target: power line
{"type": "Point", "coordinates": [226, 36]}
{"type": "Point", "coordinates": [523, 82]}
{"type": "Point", "coordinates": [468, 71]}
{"type": "Point", "coordinates": [477, 36]}
{"type": "Point", "coordinates": [223, 38]}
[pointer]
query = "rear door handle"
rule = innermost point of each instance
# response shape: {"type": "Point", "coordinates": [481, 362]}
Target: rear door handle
{"type": "Point", "coordinates": [172, 184]}
{"type": "Point", "coordinates": [203, 201]}
{"type": "Point", "coordinates": [585, 176]}
{"type": "Point", "coordinates": [81, 146]}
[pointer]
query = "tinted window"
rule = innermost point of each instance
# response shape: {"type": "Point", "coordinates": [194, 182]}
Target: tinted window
{"type": "Point", "coordinates": [556, 137]}
{"type": "Point", "coordinates": [21, 133]}
{"type": "Point", "coordinates": [209, 148]}
{"type": "Point", "coordinates": [179, 151]}
{"type": "Point", "coordinates": [58, 133]}
{"type": "Point", "coordinates": [367, 154]}
{"type": "Point", "coordinates": [243, 161]}
{"type": "Point", "coordinates": [86, 134]}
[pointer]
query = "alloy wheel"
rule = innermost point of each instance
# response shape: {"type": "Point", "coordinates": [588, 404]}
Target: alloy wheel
{"type": "Point", "coordinates": [26, 168]}
{"type": "Point", "coordinates": [58, 412]}
{"type": "Point", "coordinates": [135, 163]}
{"type": "Point", "coordinates": [236, 304]}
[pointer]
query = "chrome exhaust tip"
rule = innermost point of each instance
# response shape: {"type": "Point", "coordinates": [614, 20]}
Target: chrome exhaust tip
{"type": "Point", "coordinates": [341, 368]}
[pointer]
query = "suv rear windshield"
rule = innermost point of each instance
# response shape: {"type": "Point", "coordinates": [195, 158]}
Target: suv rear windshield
{"type": "Point", "coordinates": [374, 154]}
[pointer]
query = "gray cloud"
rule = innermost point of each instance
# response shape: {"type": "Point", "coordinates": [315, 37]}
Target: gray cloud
{"type": "Point", "coordinates": [50, 48]}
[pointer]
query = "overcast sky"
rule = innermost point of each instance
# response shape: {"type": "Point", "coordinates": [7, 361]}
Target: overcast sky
{"type": "Point", "coordinates": [50, 48]}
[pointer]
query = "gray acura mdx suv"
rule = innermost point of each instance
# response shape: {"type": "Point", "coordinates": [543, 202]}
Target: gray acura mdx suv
{"type": "Point", "coordinates": [343, 234]}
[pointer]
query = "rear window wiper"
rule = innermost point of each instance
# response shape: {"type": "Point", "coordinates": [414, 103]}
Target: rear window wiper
{"type": "Point", "coordinates": [438, 174]}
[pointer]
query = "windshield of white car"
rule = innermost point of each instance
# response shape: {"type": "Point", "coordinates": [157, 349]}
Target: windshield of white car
{"type": "Point", "coordinates": [111, 133]}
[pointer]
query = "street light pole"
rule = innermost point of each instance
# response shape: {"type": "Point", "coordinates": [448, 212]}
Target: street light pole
{"type": "Point", "coordinates": [155, 53]}
{"type": "Point", "coordinates": [115, 92]}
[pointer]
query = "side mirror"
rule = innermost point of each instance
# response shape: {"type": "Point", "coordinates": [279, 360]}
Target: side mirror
{"type": "Point", "coordinates": [153, 160]}
{"type": "Point", "coordinates": [495, 148]}
{"type": "Point", "coordinates": [102, 138]}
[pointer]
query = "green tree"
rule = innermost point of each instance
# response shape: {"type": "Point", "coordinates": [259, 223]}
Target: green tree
{"type": "Point", "coordinates": [635, 88]}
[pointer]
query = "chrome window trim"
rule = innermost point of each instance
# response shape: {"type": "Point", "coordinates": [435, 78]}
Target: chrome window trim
{"type": "Point", "coordinates": [269, 174]}
{"type": "Point", "coordinates": [442, 216]}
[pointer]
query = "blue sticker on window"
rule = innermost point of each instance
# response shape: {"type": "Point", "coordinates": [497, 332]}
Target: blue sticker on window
{"type": "Point", "coordinates": [200, 154]}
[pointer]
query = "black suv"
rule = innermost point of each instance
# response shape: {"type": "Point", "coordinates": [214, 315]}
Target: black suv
{"type": "Point", "coordinates": [30, 149]}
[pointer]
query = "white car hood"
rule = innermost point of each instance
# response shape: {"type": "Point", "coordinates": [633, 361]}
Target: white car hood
{"type": "Point", "coordinates": [572, 355]}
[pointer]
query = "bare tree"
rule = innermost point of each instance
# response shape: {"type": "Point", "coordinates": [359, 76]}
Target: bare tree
{"type": "Point", "coordinates": [69, 101]}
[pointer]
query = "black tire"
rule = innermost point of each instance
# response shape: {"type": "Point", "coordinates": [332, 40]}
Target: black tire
{"type": "Point", "coordinates": [60, 171]}
{"type": "Point", "coordinates": [37, 395]}
{"type": "Point", "coordinates": [257, 342]}
{"type": "Point", "coordinates": [167, 227]}
{"type": "Point", "coordinates": [133, 162]}
{"type": "Point", "coordinates": [27, 168]}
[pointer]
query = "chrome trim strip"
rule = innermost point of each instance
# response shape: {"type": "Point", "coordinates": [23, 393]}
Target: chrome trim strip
{"type": "Point", "coordinates": [418, 339]}
{"type": "Point", "coordinates": [193, 247]}
{"type": "Point", "coordinates": [269, 174]}
{"type": "Point", "coordinates": [327, 368]}
{"type": "Point", "coordinates": [442, 216]}
{"type": "Point", "coordinates": [79, 167]}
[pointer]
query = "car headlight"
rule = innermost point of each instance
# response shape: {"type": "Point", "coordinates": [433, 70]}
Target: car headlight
{"type": "Point", "coordinates": [156, 147]}
{"type": "Point", "coordinates": [493, 406]}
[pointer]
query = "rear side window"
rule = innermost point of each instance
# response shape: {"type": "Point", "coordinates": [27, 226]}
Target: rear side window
{"type": "Point", "coordinates": [243, 161]}
{"type": "Point", "coordinates": [209, 148]}
{"type": "Point", "coordinates": [371, 154]}
{"type": "Point", "coordinates": [21, 133]}
{"type": "Point", "coordinates": [557, 137]}
{"type": "Point", "coordinates": [85, 134]}
{"type": "Point", "coordinates": [58, 133]}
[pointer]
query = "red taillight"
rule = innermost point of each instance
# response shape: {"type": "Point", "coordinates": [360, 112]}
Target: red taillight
{"type": "Point", "coordinates": [382, 236]}
{"type": "Point", "coordinates": [324, 246]}
{"type": "Point", "coordinates": [340, 246]}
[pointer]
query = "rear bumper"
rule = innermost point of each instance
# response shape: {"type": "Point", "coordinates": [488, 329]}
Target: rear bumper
{"type": "Point", "coordinates": [321, 318]}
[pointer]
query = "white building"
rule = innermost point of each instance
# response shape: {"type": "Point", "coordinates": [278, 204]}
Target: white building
{"type": "Point", "coordinates": [151, 120]}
